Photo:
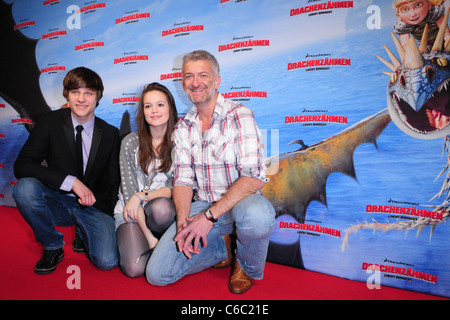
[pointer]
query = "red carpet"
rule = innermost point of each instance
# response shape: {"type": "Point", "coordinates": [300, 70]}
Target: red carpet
{"type": "Point", "coordinates": [18, 281]}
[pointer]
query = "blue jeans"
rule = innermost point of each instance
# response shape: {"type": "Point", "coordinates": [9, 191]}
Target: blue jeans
{"type": "Point", "coordinates": [253, 219]}
{"type": "Point", "coordinates": [44, 208]}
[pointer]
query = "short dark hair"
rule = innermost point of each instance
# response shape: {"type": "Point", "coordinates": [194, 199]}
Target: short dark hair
{"type": "Point", "coordinates": [82, 77]}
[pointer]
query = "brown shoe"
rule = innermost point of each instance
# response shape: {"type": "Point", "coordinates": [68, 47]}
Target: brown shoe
{"type": "Point", "coordinates": [227, 262]}
{"type": "Point", "coordinates": [239, 281]}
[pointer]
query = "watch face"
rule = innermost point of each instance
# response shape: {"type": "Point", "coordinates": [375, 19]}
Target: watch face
{"type": "Point", "coordinates": [209, 216]}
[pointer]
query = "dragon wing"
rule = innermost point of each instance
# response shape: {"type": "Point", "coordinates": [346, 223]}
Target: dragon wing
{"type": "Point", "coordinates": [21, 91]}
{"type": "Point", "coordinates": [299, 177]}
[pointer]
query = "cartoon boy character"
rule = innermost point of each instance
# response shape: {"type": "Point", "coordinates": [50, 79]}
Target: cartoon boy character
{"type": "Point", "coordinates": [413, 15]}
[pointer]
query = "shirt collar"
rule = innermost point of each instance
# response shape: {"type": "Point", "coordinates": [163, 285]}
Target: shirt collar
{"type": "Point", "coordinates": [192, 115]}
{"type": "Point", "coordinates": [87, 126]}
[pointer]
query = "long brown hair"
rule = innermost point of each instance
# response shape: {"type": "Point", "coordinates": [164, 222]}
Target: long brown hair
{"type": "Point", "coordinates": [146, 152]}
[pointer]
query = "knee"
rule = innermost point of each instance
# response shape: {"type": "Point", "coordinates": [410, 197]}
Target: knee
{"type": "Point", "coordinates": [160, 211]}
{"type": "Point", "coordinates": [26, 193]}
{"type": "Point", "coordinates": [160, 214]}
{"type": "Point", "coordinates": [157, 271]}
{"type": "Point", "coordinates": [153, 276]}
{"type": "Point", "coordinates": [256, 213]}
{"type": "Point", "coordinates": [131, 269]}
{"type": "Point", "coordinates": [26, 188]}
{"type": "Point", "coordinates": [104, 263]}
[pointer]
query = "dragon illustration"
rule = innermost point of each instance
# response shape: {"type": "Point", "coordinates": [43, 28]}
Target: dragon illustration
{"type": "Point", "coordinates": [21, 91]}
{"type": "Point", "coordinates": [418, 92]}
{"type": "Point", "coordinates": [298, 178]}
{"type": "Point", "coordinates": [418, 103]}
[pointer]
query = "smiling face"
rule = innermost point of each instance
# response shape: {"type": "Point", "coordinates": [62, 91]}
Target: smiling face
{"type": "Point", "coordinates": [82, 103]}
{"type": "Point", "coordinates": [156, 109]}
{"type": "Point", "coordinates": [413, 12]}
{"type": "Point", "coordinates": [200, 82]}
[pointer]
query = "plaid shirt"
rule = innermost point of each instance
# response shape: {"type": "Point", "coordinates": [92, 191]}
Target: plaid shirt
{"type": "Point", "coordinates": [211, 161]}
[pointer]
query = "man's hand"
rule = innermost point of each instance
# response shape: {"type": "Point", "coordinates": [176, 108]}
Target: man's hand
{"type": "Point", "coordinates": [85, 195]}
{"type": "Point", "coordinates": [191, 233]}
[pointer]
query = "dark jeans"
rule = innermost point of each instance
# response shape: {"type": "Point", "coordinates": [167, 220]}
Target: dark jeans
{"type": "Point", "coordinates": [44, 208]}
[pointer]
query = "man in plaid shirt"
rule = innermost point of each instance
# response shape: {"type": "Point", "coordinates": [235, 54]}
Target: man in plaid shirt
{"type": "Point", "coordinates": [218, 154]}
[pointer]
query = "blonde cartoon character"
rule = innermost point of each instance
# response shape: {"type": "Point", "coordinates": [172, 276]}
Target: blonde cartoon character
{"type": "Point", "coordinates": [415, 15]}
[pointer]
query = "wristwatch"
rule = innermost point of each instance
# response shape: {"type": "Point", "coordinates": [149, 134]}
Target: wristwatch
{"type": "Point", "coordinates": [210, 216]}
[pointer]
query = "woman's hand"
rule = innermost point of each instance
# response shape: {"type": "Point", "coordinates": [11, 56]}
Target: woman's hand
{"type": "Point", "coordinates": [131, 208]}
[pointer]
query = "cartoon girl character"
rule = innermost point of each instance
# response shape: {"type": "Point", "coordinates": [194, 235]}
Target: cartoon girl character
{"type": "Point", "coordinates": [413, 15]}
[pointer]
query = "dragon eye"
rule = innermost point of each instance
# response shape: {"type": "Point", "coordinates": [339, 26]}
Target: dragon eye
{"type": "Point", "coordinates": [393, 77]}
{"type": "Point", "coordinates": [442, 62]}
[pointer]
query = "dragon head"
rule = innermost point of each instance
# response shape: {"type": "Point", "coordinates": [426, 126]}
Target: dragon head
{"type": "Point", "coordinates": [418, 92]}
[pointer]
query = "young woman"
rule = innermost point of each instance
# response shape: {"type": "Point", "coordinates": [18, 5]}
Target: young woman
{"type": "Point", "coordinates": [144, 209]}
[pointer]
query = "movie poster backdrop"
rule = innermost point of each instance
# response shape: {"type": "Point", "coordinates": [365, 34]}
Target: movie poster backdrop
{"type": "Point", "coordinates": [354, 192]}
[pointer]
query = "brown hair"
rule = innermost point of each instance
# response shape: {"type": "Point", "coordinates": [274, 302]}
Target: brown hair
{"type": "Point", "coordinates": [146, 149]}
{"type": "Point", "coordinates": [82, 77]}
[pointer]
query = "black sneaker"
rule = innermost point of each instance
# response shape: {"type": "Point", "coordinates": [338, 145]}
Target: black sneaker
{"type": "Point", "coordinates": [78, 244]}
{"type": "Point", "coordinates": [49, 260]}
